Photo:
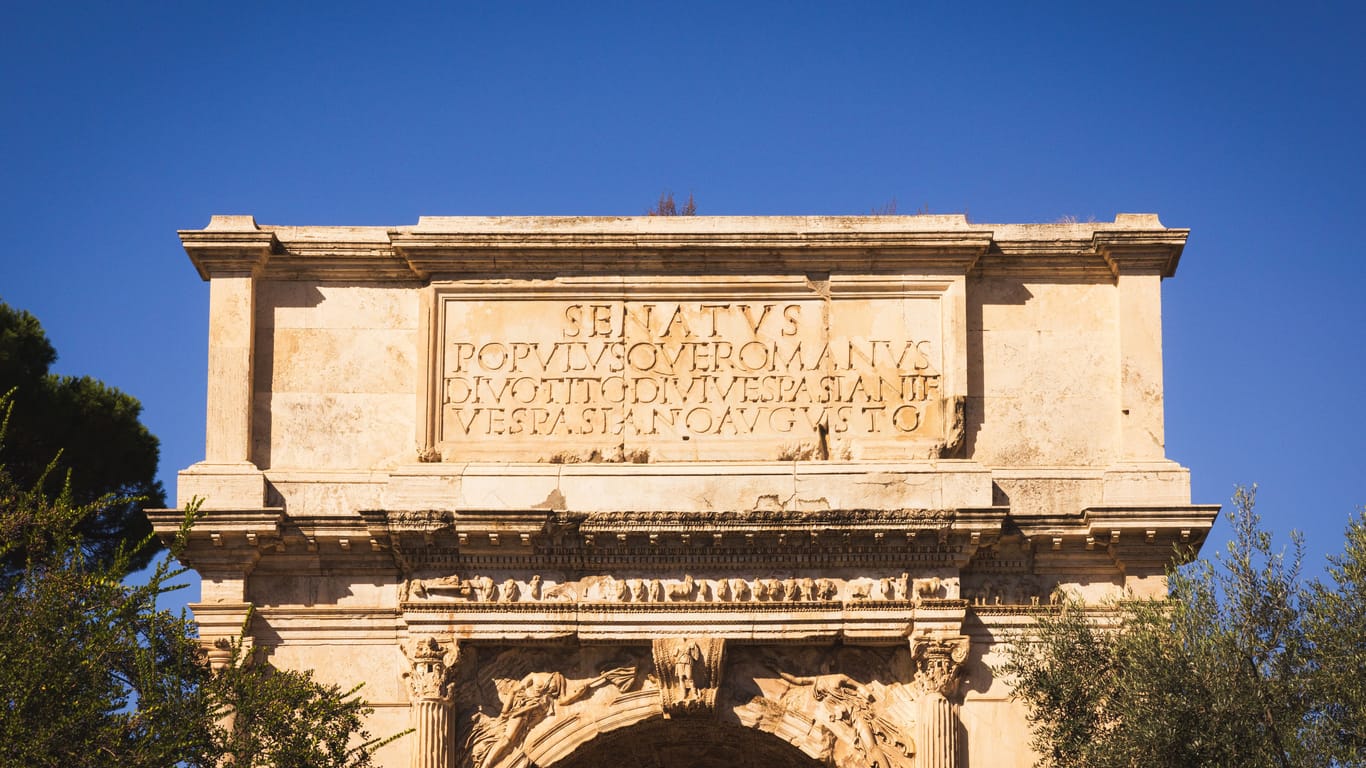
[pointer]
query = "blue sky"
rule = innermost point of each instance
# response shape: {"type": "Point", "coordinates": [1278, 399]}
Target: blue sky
{"type": "Point", "coordinates": [1244, 122]}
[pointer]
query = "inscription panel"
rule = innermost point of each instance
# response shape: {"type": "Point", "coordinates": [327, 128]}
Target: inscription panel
{"type": "Point", "coordinates": [566, 377]}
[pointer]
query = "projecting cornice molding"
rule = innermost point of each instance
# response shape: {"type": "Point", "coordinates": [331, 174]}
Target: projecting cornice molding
{"type": "Point", "coordinates": [1149, 249]}
{"type": "Point", "coordinates": [447, 248]}
{"type": "Point", "coordinates": [440, 246]}
{"type": "Point", "coordinates": [231, 246]}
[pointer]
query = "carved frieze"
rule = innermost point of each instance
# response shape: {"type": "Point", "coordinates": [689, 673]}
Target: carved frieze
{"type": "Point", "coordinates": [688, 589]}
{"type": "Point", "coordinates": [421, 521]}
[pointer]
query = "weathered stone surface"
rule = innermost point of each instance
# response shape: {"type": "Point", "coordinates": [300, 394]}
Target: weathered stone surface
{"type": "Point", "coordinates": [680, 491]}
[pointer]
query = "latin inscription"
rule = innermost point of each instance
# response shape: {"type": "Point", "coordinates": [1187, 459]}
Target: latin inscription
{"type": "Point", "coordinates": [533, 369]}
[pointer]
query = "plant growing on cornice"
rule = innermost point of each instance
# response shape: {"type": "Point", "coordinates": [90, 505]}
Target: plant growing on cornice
{"type": "Point", "coordinates": [667, 207]}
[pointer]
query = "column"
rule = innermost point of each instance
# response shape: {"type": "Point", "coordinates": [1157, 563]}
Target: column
{"type": "Point", "coordinates": [936, 733]}
{"type": "Point", "coordinates": [432, 679]}
{"type": "Point", "coordinates": [938, 661]}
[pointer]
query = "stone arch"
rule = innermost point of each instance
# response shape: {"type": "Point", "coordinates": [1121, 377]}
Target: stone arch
{"type": "Point", "coordinates": [636, 720]}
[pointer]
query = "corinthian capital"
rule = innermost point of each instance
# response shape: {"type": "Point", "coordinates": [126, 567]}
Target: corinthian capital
{"type": "Point", "coordinates": [432, 668]}
{"type": "Point", "coordinates": [938, 662]}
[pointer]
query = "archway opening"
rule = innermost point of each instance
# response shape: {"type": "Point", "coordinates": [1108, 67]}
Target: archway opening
{"type": "Point", "coordinates": [688, 743]}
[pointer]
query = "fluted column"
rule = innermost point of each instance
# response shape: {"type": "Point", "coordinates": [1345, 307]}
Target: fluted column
{"type": "Point", "coordinates": [432, 679]}
{"type": "Point", "coordinates": [937, 732]}
{"type": "Point", "coordinates": [938, 665]}
{"type": "Point", "coordinates": [432, 721]}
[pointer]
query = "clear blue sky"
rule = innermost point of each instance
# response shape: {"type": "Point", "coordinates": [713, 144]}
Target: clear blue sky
{"type": "Point", "coordinates": [125, 122]}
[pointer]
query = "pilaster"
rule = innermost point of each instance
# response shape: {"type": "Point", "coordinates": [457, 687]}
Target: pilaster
{"type": "Point", "coordinates": [1139, 259]}
{"type": "Point", "coordinates": [230, 254]}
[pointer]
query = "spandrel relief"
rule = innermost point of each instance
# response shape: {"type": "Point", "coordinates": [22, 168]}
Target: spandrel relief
{"type": "Point", "coordinates": [846, 706]}
{"type": "Point", "coordinates": [509, 698]}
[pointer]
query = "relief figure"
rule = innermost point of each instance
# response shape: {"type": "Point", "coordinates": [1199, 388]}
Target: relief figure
{"type": "Point", "coordinates": [826, 590]}
{"type": "Point", "coordinates": [721, 589]}
{"type": "Point", "coordinates": [853, 724]}
{"type": "Point", "coordinates": [739, 589]}
{"type": "Point", "coordinates": [686, 657]}
{"type": "Point", "coordinates": [530, 701]}
{"type": "Point", "coordinates": [683, 591]}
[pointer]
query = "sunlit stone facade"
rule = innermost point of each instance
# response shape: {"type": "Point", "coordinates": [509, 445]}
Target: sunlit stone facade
{"type": "Point", "coordinates": [680, 491]}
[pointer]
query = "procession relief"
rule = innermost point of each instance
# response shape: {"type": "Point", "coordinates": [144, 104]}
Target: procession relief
{"type": "Point", "coordinates": [610, 589]}
{"type": "Point", "coordinates": [1010, 589]}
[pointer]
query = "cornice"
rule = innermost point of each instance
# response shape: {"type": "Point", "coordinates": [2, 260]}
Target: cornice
{"type": "Point", "coordinates": [1142, 251]}
{"type": "Point", "coordinates": [1153, 529]}
{"type": "Point", "coordinates": [221, 539]}
{"type": "Point", "coordinates": [231, 246]}
{"type": "Point", "coordinates": [441, 246]}
{"type": "Point", "coordinates": [472, 247]}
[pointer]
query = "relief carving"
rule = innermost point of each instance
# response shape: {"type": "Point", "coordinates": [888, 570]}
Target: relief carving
{"type": "Point", "coordinates": [1010, 589]}
{"type": "Point", "coordinates": [841, 702]}
{"type": "Point", "coordinates": [689, 672]}
{"type": "Point", "coordinates": [766, 511]}
{"type": "Point", "coordinates": [689, 589]}
{"type": "Point", "coordinates": [528, 689]}
{"type": "Point", "coordinates": [424, 521]}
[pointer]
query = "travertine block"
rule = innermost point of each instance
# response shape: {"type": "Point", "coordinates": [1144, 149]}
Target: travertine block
{"type": "Point", "coordinates": [221, 486]}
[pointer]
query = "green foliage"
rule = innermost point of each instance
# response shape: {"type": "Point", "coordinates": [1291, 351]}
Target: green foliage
{"type": "Point", "coordinates": [1239, 666]}
{"type": "Point", "coordinates": [1335, 625]}
{"type": "Point", "coordinates": [77, 421]}
{"type": "Point", "coordinates": [283, 719]}
{"type": "Point", "coordinates": [93, 673]}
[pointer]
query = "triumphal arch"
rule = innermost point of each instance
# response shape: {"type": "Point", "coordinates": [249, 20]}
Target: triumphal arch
{"type": "Point", "coordinates": [684, 491]}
